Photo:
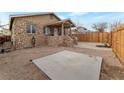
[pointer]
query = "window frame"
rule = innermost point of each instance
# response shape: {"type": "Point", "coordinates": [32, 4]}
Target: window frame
{"type": "Point", "coordinates": [46, 31]}
{"type": "Point", "coordinates": [31, 27]}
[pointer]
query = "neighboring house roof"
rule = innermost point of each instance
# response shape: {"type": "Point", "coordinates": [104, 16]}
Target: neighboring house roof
{"type": "Point", "coordinates": [5, 26]}
{"type": "Point", "coordinates": [28, 15]}
{"type": "Point", "coordinates": [82, 29]}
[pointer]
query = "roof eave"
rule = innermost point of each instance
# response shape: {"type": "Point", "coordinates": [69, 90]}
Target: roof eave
{"type": "Point", "coordinates": [11, 17]}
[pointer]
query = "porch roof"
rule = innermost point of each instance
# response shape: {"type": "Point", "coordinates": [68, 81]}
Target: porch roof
{"type": "Point", "coordinates": [66, 22]}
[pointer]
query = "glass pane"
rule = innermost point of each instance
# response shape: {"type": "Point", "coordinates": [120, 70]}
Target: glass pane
{"type": "Point", "coordinates": [46, 30]}
{"type": "Point", "coordinates": [28, 29]}
{"type": "Point", "coordinates": [33, 29]}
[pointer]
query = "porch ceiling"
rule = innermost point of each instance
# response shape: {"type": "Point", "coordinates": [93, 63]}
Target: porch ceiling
{"type": "Point", "coordinates": [66, 23]}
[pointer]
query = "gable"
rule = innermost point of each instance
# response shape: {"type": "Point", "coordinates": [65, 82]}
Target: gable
{"type": "Point", "coordinates": [51, 15]}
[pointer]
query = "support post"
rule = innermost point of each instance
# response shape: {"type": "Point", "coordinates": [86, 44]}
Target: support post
{"type": "Point", "coordinates": [62, 29]}
{"type": "Point", "coordinates": [70, 31]}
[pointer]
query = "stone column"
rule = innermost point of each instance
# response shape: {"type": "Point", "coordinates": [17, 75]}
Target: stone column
{"type": "Point", "coordinates": [62, 29]}
{"type": "Point", "coordinates": [55, 32]}
{"type": "Point", "coordinates": [70, 30]}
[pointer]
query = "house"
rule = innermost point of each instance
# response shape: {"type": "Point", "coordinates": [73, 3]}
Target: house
{"type": "Point", "coordinates": [40, 29]}
{"type": "Point", "coordinates": [5, 36]}
{"type": "Point", "coordinates": [4, 31]}
{"type": "Point", "coordinates": [81, 29]}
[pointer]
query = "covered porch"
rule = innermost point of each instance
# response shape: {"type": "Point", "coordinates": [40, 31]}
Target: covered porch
{"type": "Point", "coordinates": [59, 28]}
{"type": "Point", "coordinates": [59, 33]}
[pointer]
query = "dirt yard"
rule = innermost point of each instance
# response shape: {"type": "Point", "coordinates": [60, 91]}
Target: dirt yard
{"type": "Point", "coordinates": [17, 65]}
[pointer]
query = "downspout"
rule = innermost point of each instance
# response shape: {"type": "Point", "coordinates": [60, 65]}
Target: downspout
{"type": "Point", "coordinates": [33, 39]}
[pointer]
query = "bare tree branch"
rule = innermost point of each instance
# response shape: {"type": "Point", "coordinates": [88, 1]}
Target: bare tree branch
{"type": "Point", "coordinates": [100, 26]}
{"type": "Point", "coordinates": [115, 24]}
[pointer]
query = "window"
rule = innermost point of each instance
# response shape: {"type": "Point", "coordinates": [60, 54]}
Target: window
{"type": "Point", "coordinates": [31, 28]}
{"type": "Point", "coordinates": [46, 30]}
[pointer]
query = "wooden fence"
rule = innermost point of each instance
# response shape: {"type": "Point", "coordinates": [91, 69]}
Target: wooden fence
{"type": "Point", "coordinates": [115, 39]}
{"type": "Point", "coordinates": [101, 37]}
{"type": "Point", "coordinates": [4, 39]}
{"type": "Point", "coordinates": [118, 42]}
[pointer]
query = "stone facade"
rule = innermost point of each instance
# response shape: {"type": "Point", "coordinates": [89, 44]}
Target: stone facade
{"type": "Point", "coordinates": [21, 38]}
{"type": "Point", "coordinates": [55, 40]}
{"type": "Point", "coordinates": [60, 33]}
{"type": "Point", "coordinates": [65, 41]}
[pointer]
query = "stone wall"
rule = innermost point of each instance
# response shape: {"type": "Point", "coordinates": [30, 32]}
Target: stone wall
{"type": "Point", "coordinates": [65, 41]}
{"type": "Point", "coordinates": [68, 41]}
{"type": "Point", "coordinates": [55, 40]}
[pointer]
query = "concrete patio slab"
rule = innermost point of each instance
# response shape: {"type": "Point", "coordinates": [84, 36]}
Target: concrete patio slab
{"type": "Point", "coordinates": [67, 65]}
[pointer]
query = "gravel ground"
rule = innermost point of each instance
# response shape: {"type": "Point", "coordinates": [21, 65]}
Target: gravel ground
{"type": "Point", "coordinates": [17, 65]}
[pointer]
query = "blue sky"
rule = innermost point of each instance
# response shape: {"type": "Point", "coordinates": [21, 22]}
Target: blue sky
{"type": "Point", "coordinates": [85, 19]}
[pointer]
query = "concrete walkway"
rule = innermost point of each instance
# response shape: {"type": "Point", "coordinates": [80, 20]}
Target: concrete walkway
{"type": "Point", "coordinates": [113, 60]}
{"type": "Point", "coordinates": [91, 46]}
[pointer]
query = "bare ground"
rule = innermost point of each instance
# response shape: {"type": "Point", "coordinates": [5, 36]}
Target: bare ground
{"type": "Point", "coordinates": [17, 65]}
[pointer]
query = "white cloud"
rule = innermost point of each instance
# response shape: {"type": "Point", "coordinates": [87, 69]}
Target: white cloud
{"type": "Point", "coordinates": [78, 13]}
{"type": "Point", "coordinates": [62, 17]}
{"type": "Point", "coordinates": [99, 18]}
